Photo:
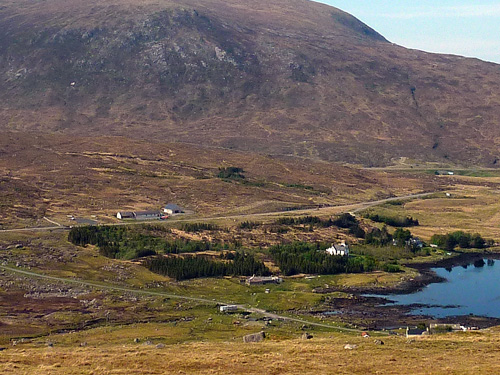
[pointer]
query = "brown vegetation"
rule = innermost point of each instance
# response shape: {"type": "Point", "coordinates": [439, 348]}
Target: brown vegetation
{"type": "Point", "coordinates": [56, 176]}
{"type": "Point", "coordinates": [280, 77]}
{"type": "Point", "coordinates": [442, 354]}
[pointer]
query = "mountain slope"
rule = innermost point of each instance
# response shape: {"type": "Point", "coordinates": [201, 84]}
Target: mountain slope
{"type": "Point", "coordinates": [279, 77]}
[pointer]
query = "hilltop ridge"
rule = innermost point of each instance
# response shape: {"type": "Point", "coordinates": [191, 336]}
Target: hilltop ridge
{"type": "Point", "coordinates": [274, 77]}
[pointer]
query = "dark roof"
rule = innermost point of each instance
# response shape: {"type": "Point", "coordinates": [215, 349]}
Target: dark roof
{"type": "Point", "coordinates": [126, 213]}
{"type": "Point", "coordinates": [151, 212]}
{"type": "Point", "coordinates": [173, 207]}
{"type": "Point", "coordinates": [415, 331]}
{"type": "Point", "coordinates": [341, 247]}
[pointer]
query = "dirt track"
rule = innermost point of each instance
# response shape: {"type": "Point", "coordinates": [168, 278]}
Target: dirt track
{"type": "Point", "coordinates": [169, 295]}
{"type": "Point", "coordinates": [354, 207]}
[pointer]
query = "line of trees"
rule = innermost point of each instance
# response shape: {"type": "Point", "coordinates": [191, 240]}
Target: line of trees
{"type": "Point", "coordinates": [312, 220]}
{"type": "Point", "coordinates": [249, 225]}
{"type": "Point", "coordinates": [190, 267]}
{"type": "Point", "coordinates": [393, 221]}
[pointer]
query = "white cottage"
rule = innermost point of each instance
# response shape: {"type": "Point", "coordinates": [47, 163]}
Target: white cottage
{"type": "Point", "coordinates": [342, 249]}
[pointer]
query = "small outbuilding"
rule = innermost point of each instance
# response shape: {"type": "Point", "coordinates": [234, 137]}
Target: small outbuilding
{"type": "Point", "coordinates": [173, 209]}
{"type": "Point", "coordinates": [443, 327]}
{"type": "Point", "coordinates": [260, 280]}
{"type": "Point", "coordinates": [125, 215]}
{"type": "Point", "coordinates": [415, 332]}
{"type": "Point", "coordinates": [228, 308]}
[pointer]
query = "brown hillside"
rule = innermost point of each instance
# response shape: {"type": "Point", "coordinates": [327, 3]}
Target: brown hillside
{"type": "Point", "coordinates": [276, 77]}
{"type": "Point", "coordinates": [59, 175]}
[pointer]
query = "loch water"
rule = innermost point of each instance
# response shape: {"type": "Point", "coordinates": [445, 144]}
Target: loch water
{"type": "Point", "coordinates": [470, 288]}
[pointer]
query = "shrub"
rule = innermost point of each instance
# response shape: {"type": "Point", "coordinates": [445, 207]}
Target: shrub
{"type": "Point", "coordinates": [233, 173]}
{"type": "Point", "coordinates": [393, 221]}
{"type": "Point", "coordinates": [249, 225]}
{"type": "Point", "coordinates": [198, 227]}
{"type": "Point", "coordinates": [391, 267]}
{"type": "Point", "coordinates": [379, 237]}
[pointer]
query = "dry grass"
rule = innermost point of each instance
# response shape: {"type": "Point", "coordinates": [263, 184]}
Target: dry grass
{"type": "Point", "coordinates": [444, 354]}
{"type": "Point", "coordinates": [473, 207]}
{"type": "Point", "coordinates": [56, 176]}
{"type": "Point", "coordinates": [307, 80]}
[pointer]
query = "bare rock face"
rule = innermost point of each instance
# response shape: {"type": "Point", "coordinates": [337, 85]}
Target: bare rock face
{"type": "Point", "coordinates": [254, 337]}
{"type": "Point", "coordinates": [307, 336]}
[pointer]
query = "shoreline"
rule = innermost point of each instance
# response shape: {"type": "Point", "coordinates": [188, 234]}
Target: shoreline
{"type": "Point", "coordinates": [377, 311]}
{"type": "Point", "coordinates": [426, 275]}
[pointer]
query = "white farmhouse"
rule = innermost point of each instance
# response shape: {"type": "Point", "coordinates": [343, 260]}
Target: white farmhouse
{"type": "Point", "coordinates": [342, 249]}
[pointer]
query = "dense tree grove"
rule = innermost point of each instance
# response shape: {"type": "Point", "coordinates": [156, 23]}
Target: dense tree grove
{"type": "Point", "coordinates": [190, 267]}
{"type": "Point", "coordinates": [464, 240]}
{"type": "Point", "coordinates": [350, 222]}
{"type": "Point", "coordinates": [303, 257]}
{"type": "Point", "coordinates": [378, 237]}
{"type": "Point", "coordinates": [106, 238]}
{"type": "Point", "coordinates": [393, 221]}
{"type": "Point", "coordinates": [401, 236]}
{"type": "Point", "coordinates": [125, 243]}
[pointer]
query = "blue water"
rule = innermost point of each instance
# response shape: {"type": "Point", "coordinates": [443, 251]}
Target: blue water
{"type": "Point", "coordinates": [472, 288]}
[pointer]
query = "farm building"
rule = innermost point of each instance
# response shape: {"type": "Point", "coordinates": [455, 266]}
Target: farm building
{"type": "Point", "coordinates": [139, 215]}
{"type": "Point", "coordinates": [125, 215]}
{"type": "Point", "coordinates": [172, 209]}
{"type": "Point", "coordinates": [342, 249]}
{"type": "Point", "coordinates": [416, 332]}
{"type": "Point", "coordinates": [228, 308]}
{"type": "Point", "coordinates": [440, 327]}
{"type": "Point", "coordinates": [260, 280]}
{"type": "Point", "coordinates": [147, 215]}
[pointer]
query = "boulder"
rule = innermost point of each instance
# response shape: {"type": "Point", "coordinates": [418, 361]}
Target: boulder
{"type": "Point", "coordinates": [350, 346]}
{"type": "Point", "coordinates": [254, 337]}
